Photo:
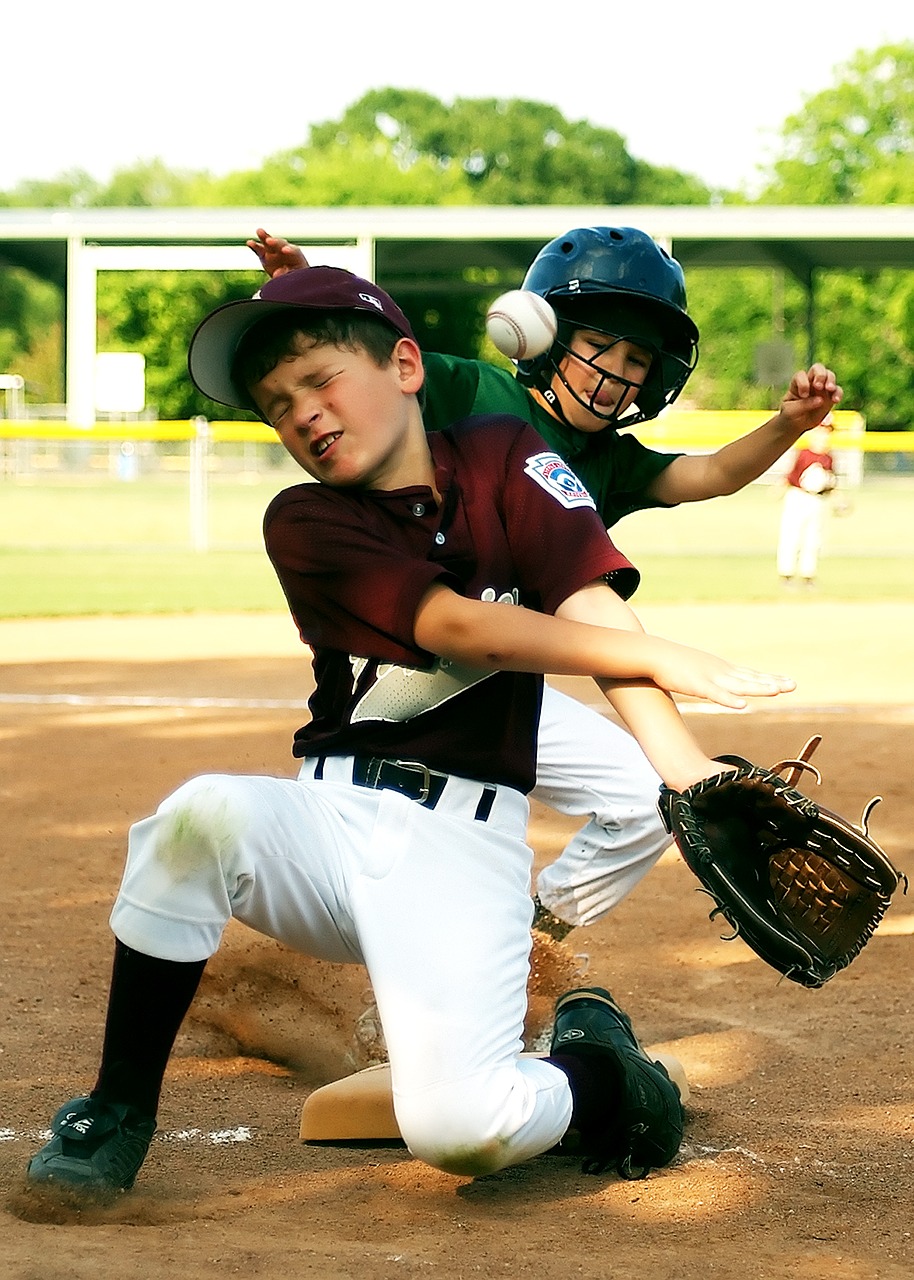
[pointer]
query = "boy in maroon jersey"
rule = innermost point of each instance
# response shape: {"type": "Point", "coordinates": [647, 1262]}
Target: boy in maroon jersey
{"type": "Point", "coordinates": [435, 578]}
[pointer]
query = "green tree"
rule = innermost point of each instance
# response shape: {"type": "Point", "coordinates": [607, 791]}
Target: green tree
{"type": "Point", "coordinates": [866, 319]}
{"type": "Point", "coordinates": [512, 151]}
{"type": "Point", "coordinates": [155, 313]}
{"type": "Point", "coordinates": [73, 189]}
{"type": "Point", "coordinates": [735, 311]}
{"type": "Point", "coordinates": [150, 185]}
{"type": "Point", "coordinates": [854, 142]}
{"type": "Point", "coordinates": [31, 332]}
{"type": "Point", "coordinates": [356, 172]}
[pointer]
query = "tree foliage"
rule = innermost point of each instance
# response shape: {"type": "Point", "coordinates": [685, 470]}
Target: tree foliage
{"type": "Point", "coordinates": [156, 313]}
{"type": "Point", "coordinates": [509, 151]}
{"type": "Point", "coordinates": [30, 332]}
{"type": "Point", "coordinates": [853, 143]}
{"type": "Point", "coordinates": [735, 311]}
{"type": "Point", "coordinates": [356, 172]}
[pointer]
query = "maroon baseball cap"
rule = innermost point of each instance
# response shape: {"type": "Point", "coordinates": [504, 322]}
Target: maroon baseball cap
{"type": "Point", "coordinates": [215, 343]}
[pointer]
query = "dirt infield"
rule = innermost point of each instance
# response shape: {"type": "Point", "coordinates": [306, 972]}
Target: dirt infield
{"type": "Point", "coordinates": [799, 1151]}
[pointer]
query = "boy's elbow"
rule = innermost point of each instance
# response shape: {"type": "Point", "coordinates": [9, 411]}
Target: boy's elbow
{"type": "Point", "coordinates": [456, 634]}
{"type": "Point", "coordinates": [443, 625]}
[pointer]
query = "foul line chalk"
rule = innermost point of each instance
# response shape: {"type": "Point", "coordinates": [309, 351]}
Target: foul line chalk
{"type": "Point", "coordinates": [213, 1138]}
{"type": "Point", "coordinates": [130, 700]}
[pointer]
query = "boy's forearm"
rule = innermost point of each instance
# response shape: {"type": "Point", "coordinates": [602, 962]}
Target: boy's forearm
{"type": "Point", "coordinates": [742, 461]}
{"type": "Point", "coordinates": [696, 477]}
{"type": "Point", "coordinates": [503, 637]}
{"type": "Point", "coordinates": [507, 638]}
{"type": "Point", "coordinates": [597, 635]}
{"type": "Point", "coordinates": [653, 718]}
{"type": "Point", "coordinates": [811, 394]}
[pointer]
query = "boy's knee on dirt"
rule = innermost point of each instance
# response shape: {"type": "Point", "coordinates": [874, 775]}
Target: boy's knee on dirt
{"type": "Point", "coordinates": [468, 1127]}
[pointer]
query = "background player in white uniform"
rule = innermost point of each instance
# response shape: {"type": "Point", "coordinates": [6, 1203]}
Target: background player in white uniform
{"type": "Point", "coordinates": [422, 570]}
{"type": "Point", "coordinates": [624, 350]}
{"type": "Point", "coordinates": [809, 481]}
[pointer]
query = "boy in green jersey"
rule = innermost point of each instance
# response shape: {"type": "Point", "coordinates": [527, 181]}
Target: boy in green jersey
{"type": "Point", "coordinates": [624, 349]}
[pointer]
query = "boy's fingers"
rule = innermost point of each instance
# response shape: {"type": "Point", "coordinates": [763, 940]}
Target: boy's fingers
{"type": "Point", "coordinates": [759, 683]}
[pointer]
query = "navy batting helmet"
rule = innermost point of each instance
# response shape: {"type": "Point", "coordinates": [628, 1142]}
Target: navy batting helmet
{"type": "Point", "coordinates": [617, 281]}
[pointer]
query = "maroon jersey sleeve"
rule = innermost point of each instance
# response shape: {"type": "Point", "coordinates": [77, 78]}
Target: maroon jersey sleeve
{"type": "Point", "coordinates": [558, 541]}
{"type": "Point", "coordinates": [348, 585]}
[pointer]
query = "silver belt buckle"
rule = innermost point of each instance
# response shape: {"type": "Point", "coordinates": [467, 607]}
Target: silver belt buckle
{"type": "Point", "coordinates": [422, 769]}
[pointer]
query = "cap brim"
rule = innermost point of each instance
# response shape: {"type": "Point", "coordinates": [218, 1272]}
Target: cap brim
{"type": "Point", "coordinates": [212, 348]}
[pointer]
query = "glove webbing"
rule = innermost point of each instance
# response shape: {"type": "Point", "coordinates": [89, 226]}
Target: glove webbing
{"type": "Point", "coordinates": [809, 886]}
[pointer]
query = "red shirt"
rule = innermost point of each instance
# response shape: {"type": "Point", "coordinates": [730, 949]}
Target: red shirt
{"type": "Point", "coordinates": [514, 524]}
{"type": "Point", "coordinates": [806, 458]}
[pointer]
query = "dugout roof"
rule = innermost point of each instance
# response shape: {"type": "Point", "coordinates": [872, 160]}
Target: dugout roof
{"type": "Point", "coordinates": [419, 249]}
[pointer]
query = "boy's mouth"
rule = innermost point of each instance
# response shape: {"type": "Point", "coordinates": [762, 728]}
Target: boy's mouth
{"type": "Point", "coordinates": [320, 447]}
{"type": "Point", "coordinates": [604, 399]}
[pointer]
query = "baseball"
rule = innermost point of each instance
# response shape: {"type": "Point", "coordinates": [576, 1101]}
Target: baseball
{"type": "Point", "coordinates": [522, 325]}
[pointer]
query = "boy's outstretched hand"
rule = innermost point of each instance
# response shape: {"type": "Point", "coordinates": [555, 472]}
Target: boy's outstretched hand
{"type": "Point", "coordinates": [277, 256]}
{"type": "Point", "coordinates": [697, 674]}
{"type": "Point", "coordinates": [811, 395]}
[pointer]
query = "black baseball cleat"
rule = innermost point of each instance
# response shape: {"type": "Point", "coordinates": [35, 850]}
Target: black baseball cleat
{"type": "Point", "coordinates": [644, 1119]}
{"type": "Point", "coordinates": [96, 1149]}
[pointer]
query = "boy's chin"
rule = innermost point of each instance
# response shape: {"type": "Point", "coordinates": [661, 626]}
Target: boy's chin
{"type": "Point", "coordinates": [589, 423]}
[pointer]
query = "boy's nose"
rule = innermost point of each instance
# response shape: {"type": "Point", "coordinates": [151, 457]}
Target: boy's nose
{"type": "Point", "coordinates": [611, 360]}
{"type": "Point", "coordinates": [305, 412]}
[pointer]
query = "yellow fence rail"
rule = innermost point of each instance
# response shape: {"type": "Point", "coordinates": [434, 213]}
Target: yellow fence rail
{"type": "Point", "coordinates": [674, 430]}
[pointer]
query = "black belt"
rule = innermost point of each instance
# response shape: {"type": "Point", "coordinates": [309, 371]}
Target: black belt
{"type": "Point", "coordinates": [410, 778]}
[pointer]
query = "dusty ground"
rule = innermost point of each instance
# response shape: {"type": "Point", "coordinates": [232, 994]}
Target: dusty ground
{"type": "Point", "coordinates": [799, 1151]}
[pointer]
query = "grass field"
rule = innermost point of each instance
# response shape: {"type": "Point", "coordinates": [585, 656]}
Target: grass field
{"type": "Point", "coordinates": [104, 547]}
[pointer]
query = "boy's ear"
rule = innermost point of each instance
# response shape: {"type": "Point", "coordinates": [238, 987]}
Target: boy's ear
{"type": "Point", "coordinates": [408, 359]}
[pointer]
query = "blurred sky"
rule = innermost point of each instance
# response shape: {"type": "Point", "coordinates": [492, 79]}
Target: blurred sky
{"type": "Point", "coordinates": [700, 85]}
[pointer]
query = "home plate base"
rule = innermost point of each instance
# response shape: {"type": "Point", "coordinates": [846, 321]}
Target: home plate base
{"type": "Point", "coordinates": [360, 1106]}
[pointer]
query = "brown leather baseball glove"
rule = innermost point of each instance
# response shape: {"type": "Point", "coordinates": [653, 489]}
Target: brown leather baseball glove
{"type": "Point", "coordinates": [799, 884]}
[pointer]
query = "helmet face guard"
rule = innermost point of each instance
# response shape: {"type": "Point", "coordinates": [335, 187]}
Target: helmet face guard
{"type": "Point", "coordinates": [664, 380]}
{"type": "Point", "coordinates": [616, 281]}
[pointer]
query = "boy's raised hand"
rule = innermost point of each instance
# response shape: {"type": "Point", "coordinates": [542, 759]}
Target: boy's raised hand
{"type": "Point", "coordinates": [811, 395]}
{"type": "Point", "coordinates": [277, 256]}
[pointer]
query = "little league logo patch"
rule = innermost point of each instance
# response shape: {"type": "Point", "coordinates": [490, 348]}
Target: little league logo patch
{"type": "Point", "coordinates": [555, 476]}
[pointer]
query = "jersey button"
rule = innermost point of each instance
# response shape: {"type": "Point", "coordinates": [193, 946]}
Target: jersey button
{"type": "Point", "coordinates": [439, 538]}
{"type": "Point", "coordinates": [418, 509]}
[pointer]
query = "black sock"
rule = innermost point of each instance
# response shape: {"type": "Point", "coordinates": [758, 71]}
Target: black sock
{"type": "Point", "coordinates": [146, 1006]}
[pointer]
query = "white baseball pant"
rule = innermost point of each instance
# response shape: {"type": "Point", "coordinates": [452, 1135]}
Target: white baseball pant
{"type": "Point", "coordinates": [436, 905]}
{"type": "Point", "coordinates": [800, 534]}
{"type": "Point", "coordinates": [587, 764]}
